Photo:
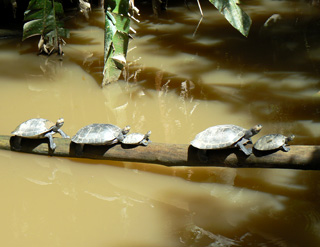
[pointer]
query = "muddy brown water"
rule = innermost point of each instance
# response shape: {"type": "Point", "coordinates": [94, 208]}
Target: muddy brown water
{"type": "Point", "coordinates": [179, 81]}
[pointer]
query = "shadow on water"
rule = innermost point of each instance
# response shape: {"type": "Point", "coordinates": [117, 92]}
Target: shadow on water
{"type": "Point", "coordinates": [281, 47]}
{"type": "Point", "coordinates": [280, 200]}
{"type": "Point", "coordinates": [282, 50]}
{"type": "Point", "coordinates": [266, 104]}
{"type": "Point", "coordinates": [285, 71]}
{"type": "Point", "coordinates": [275, 55]}
{"type": "Point", "coordinates": [278, 55]}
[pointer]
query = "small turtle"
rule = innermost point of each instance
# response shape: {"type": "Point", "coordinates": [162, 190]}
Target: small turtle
{"type": "Point", "coordinates": [273, 142]}
{"type": "Point", "coordinates": [137, 138]}
{"type": "Point", "coordinates": [99, 134]}
{"type": "Point", "coordinates": [224, 136]}
{"type": "Point", "coordinates": [38, 128]}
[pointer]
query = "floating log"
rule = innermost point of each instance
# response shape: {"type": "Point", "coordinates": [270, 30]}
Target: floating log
{"type": "Point", "coordinates": [299, 157]}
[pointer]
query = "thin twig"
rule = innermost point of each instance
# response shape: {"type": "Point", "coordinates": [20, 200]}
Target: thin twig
{"type": "Point", "coordinates": [195, 31]}
{"type": "Point", "coordinates": [200, 8]}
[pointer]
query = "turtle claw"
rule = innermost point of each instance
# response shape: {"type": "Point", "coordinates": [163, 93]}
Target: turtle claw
{"type": "Point", "coordinates": [53, 146]}
{"type": "Point", "coordinates": [285, 148]}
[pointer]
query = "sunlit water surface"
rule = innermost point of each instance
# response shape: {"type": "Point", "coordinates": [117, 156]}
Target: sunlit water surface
{"type": "Point", "coordinates": [180, 79]}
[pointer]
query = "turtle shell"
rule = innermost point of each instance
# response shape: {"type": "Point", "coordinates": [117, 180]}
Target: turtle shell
{"type": "Point", "coordinates": [270, 142]}
{"type": "Point", "coordinates": [218, 137]}
{"type": "Point", "coordinates": [134, 138]}
{"type": "Point", "coordinates": [137, 138]}
{"type": "Point", "coordinates": [97, 134]}
{"type": "Point", "coordinates": [33, 128]}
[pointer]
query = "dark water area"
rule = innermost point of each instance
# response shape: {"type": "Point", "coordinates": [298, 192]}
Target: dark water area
{"type": "Point", "coordinates": [273, 74]}
{"type": "Point", "coordinates": [283, 58]}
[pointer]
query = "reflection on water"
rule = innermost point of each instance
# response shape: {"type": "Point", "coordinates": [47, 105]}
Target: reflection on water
{"type": "Point", "coordinates": [74, 203]}
{"type": "Point", "coordinates": [177, 83]}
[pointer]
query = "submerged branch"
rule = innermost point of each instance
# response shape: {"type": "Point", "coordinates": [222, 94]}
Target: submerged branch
{"type": "Point", "coordinates": [299, 157]}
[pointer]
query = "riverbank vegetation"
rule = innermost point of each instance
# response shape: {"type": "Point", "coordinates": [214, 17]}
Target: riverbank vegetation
{"type": "Point", "coordinates": [45, 18]}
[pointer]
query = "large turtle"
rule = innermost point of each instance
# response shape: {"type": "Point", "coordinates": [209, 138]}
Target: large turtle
{"type": "Point", "coordinates": [225, 136]}
{"type": "Point", "coordinates": [137, 138]}
{"type": "Point", "coordinates": [37, 128]}
{"type": "Point", "coordinates": [99, 134]}
{"type": "Point", "coordinates": [273, 142]}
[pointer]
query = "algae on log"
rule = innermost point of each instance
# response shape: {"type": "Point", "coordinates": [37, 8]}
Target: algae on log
{"type": "Point", "coordinates": [299, 157]}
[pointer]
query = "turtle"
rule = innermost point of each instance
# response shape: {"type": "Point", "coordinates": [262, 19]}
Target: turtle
{"type": "Point", "coordinates": [273, 142]}
{"type": "Point", "coordinates": [224, 136]}
{"type": "Point", "coordinates": [137, 138]}
{"type": "Point", "coordinates": [99, 134]}
{"type": "Point", "coordinates": [38, 128]}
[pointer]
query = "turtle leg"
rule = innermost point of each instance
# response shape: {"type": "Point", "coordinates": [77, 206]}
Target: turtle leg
{"type": "Point", "coordinates": [64, 135]}
{"type": "Point", "coordinates": [285, 148]}
{"type": "Point", "coordinates": [144, 142]}
{"type": "Point", "coordinates": [52, 145]}
{"type": "Point", "coordinates": [243, 148]}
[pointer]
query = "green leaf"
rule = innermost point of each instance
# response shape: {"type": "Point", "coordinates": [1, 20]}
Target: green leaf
{"type": "Point", "coordinates": [117, 24]}
{"type": "Point", "coordinates": [43, 18]}
{"type": "Point", "coordinates": [234, 14]}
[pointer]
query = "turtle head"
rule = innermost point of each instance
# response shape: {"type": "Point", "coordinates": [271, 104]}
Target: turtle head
{"type": "Point", "coordinates": [290, 138]}
{"type": "Point", "coordinates": [60, 122]}
{"type": "Point", "coordinates": [256, 129]}
{"type": "Point", "coordinates": [148, 134]}
{"type": "Point", "coordinates": [126, 130]}
{"type": "Point", "coordinates": [253, 131]}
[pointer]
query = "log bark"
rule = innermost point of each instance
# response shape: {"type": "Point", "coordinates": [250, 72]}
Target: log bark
{"type": "Point", "coordinates": [299, 157]}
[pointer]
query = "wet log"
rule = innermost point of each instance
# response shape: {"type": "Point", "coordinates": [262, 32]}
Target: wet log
{"type": "Point", "coordinates": [299, 157]}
